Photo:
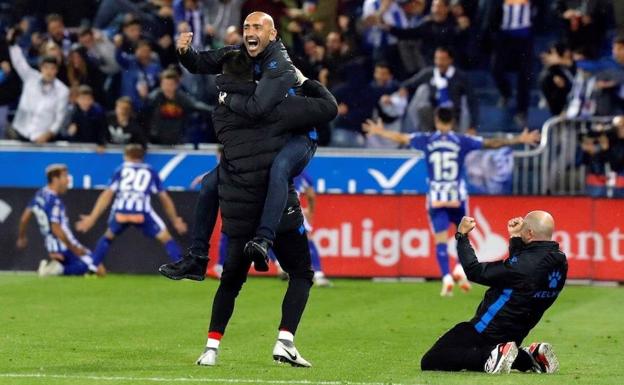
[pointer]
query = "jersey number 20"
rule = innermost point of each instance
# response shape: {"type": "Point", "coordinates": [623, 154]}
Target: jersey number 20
{"type": "Point", "coordinates": [134, 179]}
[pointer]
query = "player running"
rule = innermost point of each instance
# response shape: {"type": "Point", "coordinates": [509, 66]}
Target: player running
{"type": "Point", "coordinates": [132, 186]}
{"type": "Point", "coordinates": [67, 255]}
{"type": "Point", "coordinates": [447, 198]}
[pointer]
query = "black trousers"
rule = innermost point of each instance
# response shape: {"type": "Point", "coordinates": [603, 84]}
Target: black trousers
{"type": "Point", "coordinates": [292, 252]}
{"type": "Point", "coordinates": [462, 348]}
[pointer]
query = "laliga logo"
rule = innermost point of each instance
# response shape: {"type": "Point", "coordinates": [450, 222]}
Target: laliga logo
{"type": "Point", "coordinates": [488, 245]}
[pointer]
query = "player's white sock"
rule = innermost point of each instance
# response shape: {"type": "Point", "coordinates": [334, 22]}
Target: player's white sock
{"type": "Point", "coordinates": [214, 339]}
{"type": "Point", "coordinates": [285, 335]}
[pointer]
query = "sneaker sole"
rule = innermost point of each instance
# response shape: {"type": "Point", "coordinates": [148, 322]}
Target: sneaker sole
{"type": "Point", "coordinates": [504, 366]}
{"type": "Point", "coordinates": [551, 357]}
{"type": "Point", "coordinates": [192, 277]}
{"type": "Point", "coordinates": [259, 260]}
{"type": "Point", "coordinates": [285, 360]}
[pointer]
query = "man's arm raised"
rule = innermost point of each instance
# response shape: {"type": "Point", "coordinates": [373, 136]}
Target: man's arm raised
{"type": "Point", "coordinates": [203, 62]}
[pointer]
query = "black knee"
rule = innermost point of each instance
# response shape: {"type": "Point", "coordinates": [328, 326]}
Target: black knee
{"type": "Point", "coordinates": [303, 276]}
{"type": "Point", "coordinates": [428, 361]}
{"type": "Point", "coordinates": [232, 283]}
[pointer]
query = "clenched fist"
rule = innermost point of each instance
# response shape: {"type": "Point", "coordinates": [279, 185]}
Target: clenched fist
{"type": "Point", "coordinates": [514, 226]}
{"type": "Point", "coordinates": [183, 42]}
{"type": "Point", "coordinates": [466, 225]}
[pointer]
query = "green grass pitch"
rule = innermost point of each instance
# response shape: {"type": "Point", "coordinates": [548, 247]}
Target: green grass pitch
{"type": "Point", "coordinates": [149, 330]}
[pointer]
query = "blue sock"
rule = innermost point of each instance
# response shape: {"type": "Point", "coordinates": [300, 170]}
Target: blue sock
{"type": "Point", "coordinates": [443, 259]}
{"type": "Point", "coordinates": [314, 256]}
{"type": "Point", "coordinates": [101, 249]}
{"type": "Point", "coordinates": [75, 267]}
{"type": "Point", "coordinates": [173, 250]}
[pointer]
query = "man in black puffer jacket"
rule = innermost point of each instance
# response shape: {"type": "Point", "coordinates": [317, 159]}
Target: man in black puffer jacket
{"type": "Point", "coordinates": [249, 148]}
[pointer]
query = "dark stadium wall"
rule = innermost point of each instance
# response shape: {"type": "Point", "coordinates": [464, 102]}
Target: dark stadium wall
{"type": "Point", "coordinates": [130, 253]}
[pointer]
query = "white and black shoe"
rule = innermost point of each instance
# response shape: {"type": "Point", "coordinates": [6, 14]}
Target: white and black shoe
{"type": "Point", "coordinates": [208, 357]}
{"type": "Point", "coordinates": [544, 357]}
{"type": "Point", "coordinates": [501, 358]}
{"type": "Point", "coordinates": [286, 352]}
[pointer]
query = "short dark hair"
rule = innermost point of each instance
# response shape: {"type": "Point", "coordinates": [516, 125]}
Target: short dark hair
{"type": "Point", "coordinates": [129, 20]}
{"type": "Point", "coordinates": [124, 100]}
{"type": "Point", "coordinates": [85, 30]}
{"type": "Point", "coordinates": [47, 59]}
{"type": "Point", "coordinates": [134, 151]}
{"type": "Point", "coordinates": [53, 17]}
{"type": "Point", "coordinates": [85, 90]}
{"type": "Point", "coordinates": [446, 49]}
{"type": "Point", "coordinates": [55, 170]}
{"type": "Point", "coordinates": [619, 38]}
{"type": "Point", "coordinates": [142, 43]}
{"type": "Point", "coordinates": [237, 64]}
{"type": "Point", "coordinates": [383, 64]}
{"type": "Point", "coordinates": [444, 114]}
{"type": "Point", "coordinates": [170, 73]}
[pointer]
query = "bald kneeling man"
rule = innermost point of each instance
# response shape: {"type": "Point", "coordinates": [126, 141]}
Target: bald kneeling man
{"type": "Point", "coordinates": [522, 287]}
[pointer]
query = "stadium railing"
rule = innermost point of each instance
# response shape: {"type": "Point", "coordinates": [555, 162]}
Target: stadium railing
{"type": "Point", "coordinates": [553, 167]}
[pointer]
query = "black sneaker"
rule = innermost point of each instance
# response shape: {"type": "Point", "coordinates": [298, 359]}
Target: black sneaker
{"type": "Point", "coordinates": [190, 267]}
{"type": "Point", "coordinates": [258, 251]}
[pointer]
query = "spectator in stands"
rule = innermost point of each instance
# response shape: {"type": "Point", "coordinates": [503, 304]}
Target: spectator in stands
{"type": "Point", "coordinates": [168, 110]}
{"type": "Point", "coordinates": [585, 23]}
{"type": "Point", "coordinates": [508, 24]}
{"type": "Point", "coordinates": [222, 15]}
{"type": "Point", "coordinates": [100, 49]}
{"type": "Point", "coordinates": [88, 120]}
{"type": "Point", "coordinates": [557, 77]}
{"type": "Point", "coordinates": [357, 103]}
{"type": "Point", "coordinates": [10, 87]}
{"type": "Point", "coordinates": [615, 155]}
{"type": "Point", "coordinates": [82, 70]}
{"type": "Point", "coordinates": [335, 60]}
{"type": "Point", "coordinates": [438, 29]}
{"type": "Point", "coordinates": [43, 102]}
{"type": "Point", "coordinates": [376, 40]}
{"type": "Point", "coordinates": [593, 156]}
{"type": "Point", "coordinates": [130, 34]}
{"type": "Point", "coordinates": [312, 62]}
{"type": "Point", "coordinates": [610, 82]}
{"type": "Point", "coordinates": [583, 98]}
{"type": "Point", "coordinates": [122, 127]}
{"type": "Point", "coordinates": [232, 36]}
{"type": "Point", "coordinates": [51, 49]}
{"type": "Point", "coordinates": [442, 85]}
{"type": "Point", "coordinates": [58, 34]}
{"type": "Point", "coordinates": [140, 75]}
{"type": "Point", "coordinates": [190, 11]}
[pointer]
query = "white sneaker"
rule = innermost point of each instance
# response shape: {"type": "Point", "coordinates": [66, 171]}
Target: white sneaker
{"type": "Point", "coordinates": [447, 286]}
{"type": "Point", "coordinates": [286, 352]}
{"type": "Point", "coordinates": [321, 280]}
{"type": "Point", "coordinates": [501, 358]}
{"type": "Point", "coordinates": [544, 357]}
{"type": "Point", "coordinates": [49, 268]}
{"type": "Point", "coordinates": [460, 277]}
{"type": "Point", "coordinates": [208, 357]}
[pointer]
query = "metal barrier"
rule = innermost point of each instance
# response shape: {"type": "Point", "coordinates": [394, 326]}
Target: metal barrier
{"type": "Point", "coordinates": [553, 168]}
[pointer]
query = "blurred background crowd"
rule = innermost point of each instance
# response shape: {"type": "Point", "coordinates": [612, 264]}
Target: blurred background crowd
{"type": "Point", "coordinates": [105, 71]}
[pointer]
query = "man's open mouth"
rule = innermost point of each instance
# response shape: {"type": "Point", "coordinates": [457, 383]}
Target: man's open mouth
{"type": "Point", "coordinates": [252, 43]}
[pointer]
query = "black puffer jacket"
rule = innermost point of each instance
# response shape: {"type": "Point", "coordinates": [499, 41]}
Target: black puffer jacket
{"type": "Point", "coordinates": [249, 146]}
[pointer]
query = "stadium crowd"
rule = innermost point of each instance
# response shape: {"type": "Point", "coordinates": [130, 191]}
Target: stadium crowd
{"type": "Point", "coordinates": [118, 80]}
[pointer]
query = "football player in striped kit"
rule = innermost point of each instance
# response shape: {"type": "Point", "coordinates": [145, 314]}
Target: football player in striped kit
{"type": "Point", "coordinates": [447, 198]}
{"type": "Point", "coordinates": [132, 185]}
{"type": "Point", "coordinates": [66, 255]}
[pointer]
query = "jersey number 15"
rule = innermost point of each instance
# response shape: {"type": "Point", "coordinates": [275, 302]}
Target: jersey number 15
{"type": "Point", "coordinates": [445, 165]}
